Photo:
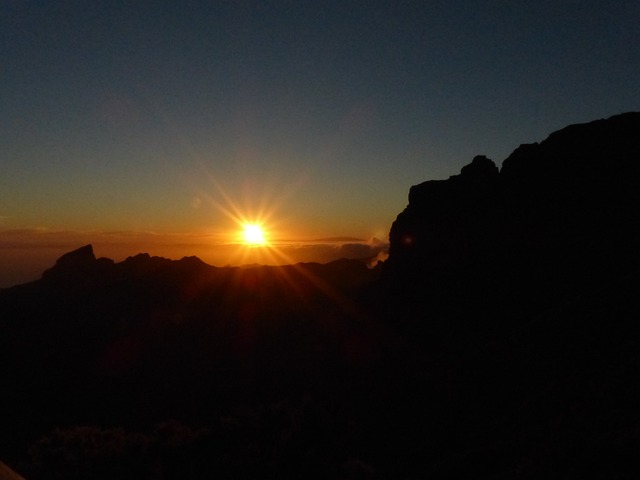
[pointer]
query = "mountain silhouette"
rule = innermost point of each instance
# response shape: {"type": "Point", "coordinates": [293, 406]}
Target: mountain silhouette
{"type": "Point", "coordinates": [499, 339]}
{"type": "Point", "coordinates": [559, 216]}
{"type": "Point", "coordinates": [148, 339]}
{"type": "Point", "coordinates": [522, 285]}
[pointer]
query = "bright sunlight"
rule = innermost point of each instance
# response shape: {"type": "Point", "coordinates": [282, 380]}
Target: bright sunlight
{"type": "Point", "coordinates": [253, 234]}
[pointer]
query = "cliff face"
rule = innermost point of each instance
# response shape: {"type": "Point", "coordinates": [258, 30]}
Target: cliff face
{"type": "Point", "coordinates": [524, 285]}
{"type": "Point", "coordinates": [566, 202]}
{"type": "Point", "coordinates": [445, 218]}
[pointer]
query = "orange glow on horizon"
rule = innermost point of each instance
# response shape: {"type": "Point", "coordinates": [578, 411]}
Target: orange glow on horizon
{"type": "Point", "coordinates": [256, 232]}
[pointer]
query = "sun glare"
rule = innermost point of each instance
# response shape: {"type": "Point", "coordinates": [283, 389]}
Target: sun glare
{"type": "Point", "coordinates": [253, 235]}
{"type": "Point", "coordinates": [252, 224]}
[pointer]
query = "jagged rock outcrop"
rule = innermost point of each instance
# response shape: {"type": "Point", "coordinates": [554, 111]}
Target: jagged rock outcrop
{"type": "Point", "coordinates": [483, 248]}
{"type": "Point", "coordinates": [479, 167]}
{"type": "Point", "coordinates": [445, 218]}
{"type": "Point", "coordinates": [524, 286]}
{"type": "Point", "coordinates": [80, 257]}
{"type": "Point", "coordinates": [77, 266]}
{"type": "Point", "coordinates": [571, 198]}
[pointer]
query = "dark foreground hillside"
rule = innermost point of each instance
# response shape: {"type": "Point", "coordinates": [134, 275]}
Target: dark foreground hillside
{"type": "Point", "coordinates": [500, 340]}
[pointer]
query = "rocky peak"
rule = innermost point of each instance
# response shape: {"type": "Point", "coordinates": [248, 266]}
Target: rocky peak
{"type": "Point", "coordinates": [566, 201]}
{"type": "Point", "coordinates": [82, 256]}
{"type": "Point", "coordinates": [79, 260]}
{"type": "Point", "coordinates": [480, 166]}
{"type": "Point", "coordinates": [79, 264]}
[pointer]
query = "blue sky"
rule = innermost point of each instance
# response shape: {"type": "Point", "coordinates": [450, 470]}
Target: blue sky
{"type": "Point", "coordinates": [148, 116]}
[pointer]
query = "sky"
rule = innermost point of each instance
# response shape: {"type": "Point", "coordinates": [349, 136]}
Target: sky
{"type": "Point", "coordinates": [160, 125]}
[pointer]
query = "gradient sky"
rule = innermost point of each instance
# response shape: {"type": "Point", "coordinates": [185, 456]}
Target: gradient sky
{"type": "Point", "coordinates": [148, 116]}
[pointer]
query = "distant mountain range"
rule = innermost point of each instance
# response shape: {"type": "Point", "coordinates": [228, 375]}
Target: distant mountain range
{"type": "Point", "coordinates": [499, 340]}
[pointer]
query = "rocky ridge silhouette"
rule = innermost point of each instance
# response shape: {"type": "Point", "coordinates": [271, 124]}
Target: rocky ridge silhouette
{"type": "Point", "coordinates": [563, 210]}
{"type": "Point", "coordinates": [499, 339]}
{"type": "Point", "coordinates": [523, 285]}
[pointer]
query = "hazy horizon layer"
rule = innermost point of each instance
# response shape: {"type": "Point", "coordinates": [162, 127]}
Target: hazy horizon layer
{"type": "Point", "coordinates": [25, 255]}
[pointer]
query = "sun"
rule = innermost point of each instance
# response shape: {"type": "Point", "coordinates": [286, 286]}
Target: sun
{"type": "Point", "coordinates": [253, 234]}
